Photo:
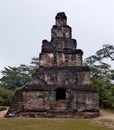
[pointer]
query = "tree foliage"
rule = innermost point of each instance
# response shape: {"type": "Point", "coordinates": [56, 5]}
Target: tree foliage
{"type": "Point", "coordinates": [106, 52]}
{"type": "Point", "coordinates": [102, 75]}
{"type": "Point", "coordinates": [13, 78]}
{"type": "Point", "coordinates": [5, 96]}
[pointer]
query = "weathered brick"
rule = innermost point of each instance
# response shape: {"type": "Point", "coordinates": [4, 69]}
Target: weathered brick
{"type": "Point", "coordinates": [61, 85]}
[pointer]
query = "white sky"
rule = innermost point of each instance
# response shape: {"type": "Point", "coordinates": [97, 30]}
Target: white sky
{"type": "Point", "coordinates": [25, 23]}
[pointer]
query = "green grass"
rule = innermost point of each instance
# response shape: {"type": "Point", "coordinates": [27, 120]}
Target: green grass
{"type": "Point", "coordinates": [48, 124]}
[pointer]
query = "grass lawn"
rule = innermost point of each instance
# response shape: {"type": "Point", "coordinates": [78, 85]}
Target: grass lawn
{"type": "Point", "coordinates": [48, 124]}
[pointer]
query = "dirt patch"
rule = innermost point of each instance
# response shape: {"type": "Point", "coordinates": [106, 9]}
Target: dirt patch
{"type": "Point", "coordinates": [2, 113]}
{"type": "Point", "coordinates": [106, 115]}
{"type": "Point", "coordinates": [2, 108]}
{"type": "Point", "coordinates": [106, 118]}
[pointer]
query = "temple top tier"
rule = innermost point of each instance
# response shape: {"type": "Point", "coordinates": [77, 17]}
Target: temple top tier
{"type": "Point", "coordinates": [61, 19]}
{"type": "Point", "coordinates": [62, 49]}
{"type": "Point", "coordinates": [61, 29]}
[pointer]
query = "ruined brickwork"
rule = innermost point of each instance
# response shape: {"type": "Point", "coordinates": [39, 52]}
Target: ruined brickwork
{"type": "Point", "coordinates": [61, 85]}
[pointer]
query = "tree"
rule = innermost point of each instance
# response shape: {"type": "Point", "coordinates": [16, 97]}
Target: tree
{"type": "Point", "coordinates": [102, 75]}
{"type": "Point", "coordinates": [15, 77]}
{"type": "Point", "coordinates": [5, 96]}
{"type": "Point", "coordinates": [106, 52]}
{"type": "Point", "coordinates": [35, 62]}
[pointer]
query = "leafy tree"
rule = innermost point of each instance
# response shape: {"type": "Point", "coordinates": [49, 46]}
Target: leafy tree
{"type": "Point", "coordinates": [14, 77]}
{"type": "Point", "coordinates": [106, 52]}
{"type": "Point", "coordinates": [102, 75]}
{"type": "Point", "coordinates": [5, 96]}
{"type": "Point", "coordinates": [35, 62]}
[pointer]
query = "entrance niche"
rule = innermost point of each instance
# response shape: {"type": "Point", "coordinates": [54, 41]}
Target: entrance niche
{"type": "Point", "coordinates": [60, 99]}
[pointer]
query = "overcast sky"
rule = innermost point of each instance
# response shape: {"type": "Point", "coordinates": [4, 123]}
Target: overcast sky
{"type": "Point", "coordinates": [25, 23]}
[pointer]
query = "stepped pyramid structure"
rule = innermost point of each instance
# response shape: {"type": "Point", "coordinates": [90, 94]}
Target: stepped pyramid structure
{"type": "Point", "coordinates": [61, 85]}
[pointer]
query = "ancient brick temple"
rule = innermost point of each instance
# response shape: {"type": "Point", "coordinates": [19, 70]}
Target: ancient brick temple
{"type": "Point", "coordinates": [61, 85]}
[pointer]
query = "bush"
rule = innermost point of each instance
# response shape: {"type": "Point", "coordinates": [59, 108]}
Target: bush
{"type": "Point", "coordinates": [5, 96]}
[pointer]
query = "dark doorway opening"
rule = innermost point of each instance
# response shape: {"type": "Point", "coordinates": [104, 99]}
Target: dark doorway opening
{"type": "Point", "coordinates": [60, 94]}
